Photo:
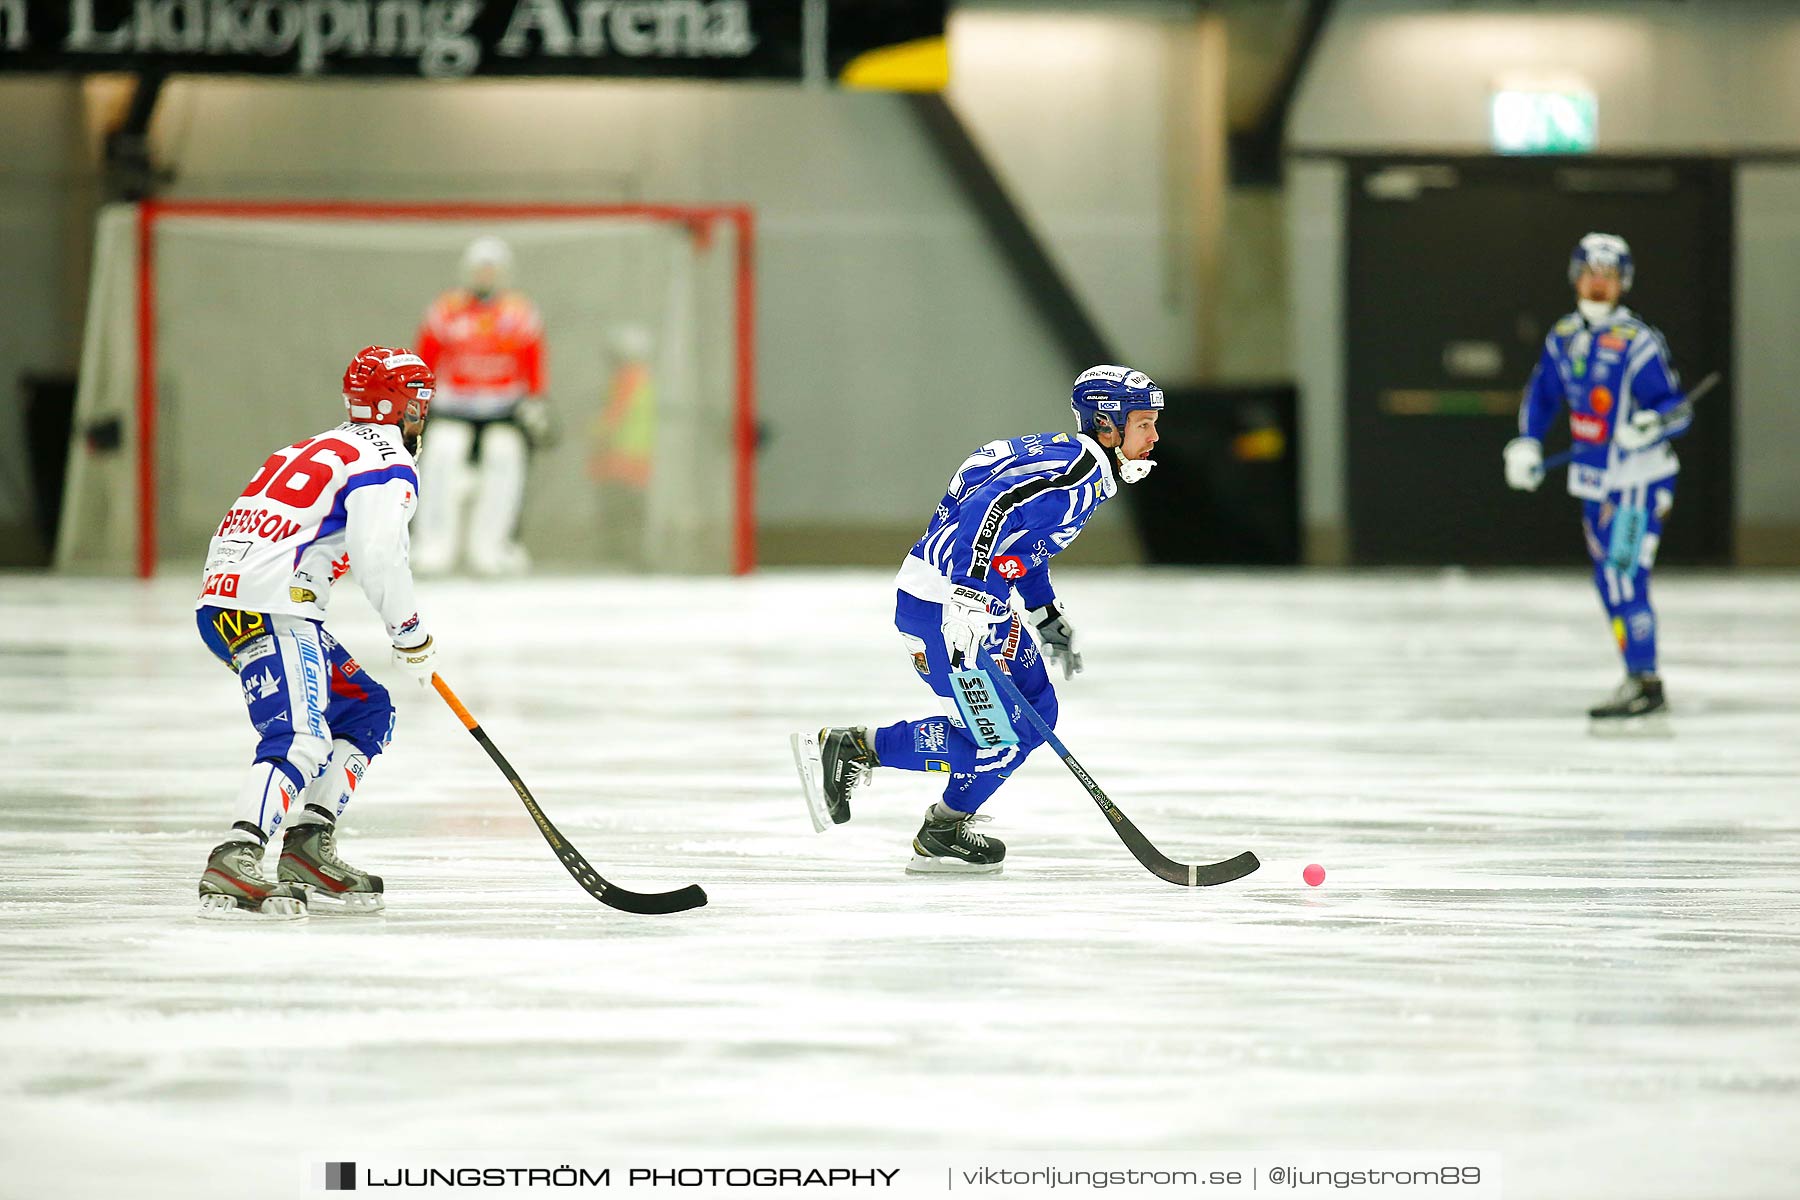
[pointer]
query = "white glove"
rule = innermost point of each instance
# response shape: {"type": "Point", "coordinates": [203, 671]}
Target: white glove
{"type": "Point", "coordinates": [1058, 637]}
{"type": "Point", "coordinates": [536, 423]}
{"type": "Point", "coordinates": [417, 661]}
{"type": "Point", "coordinates": [1524, 464]}
{"type": "Point", "coordinates": [968, 616]}
{"type": "Point", "coordinates": [1644, 429]}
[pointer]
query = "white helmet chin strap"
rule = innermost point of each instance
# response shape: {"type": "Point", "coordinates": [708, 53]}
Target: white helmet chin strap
{"type": "Point", "coordinates": [1594, 311]}
{"type": "Point", "coordinates": [1131, 470]}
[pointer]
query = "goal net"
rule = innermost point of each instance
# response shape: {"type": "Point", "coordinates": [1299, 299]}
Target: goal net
{"type": "Point", "coordinates": [217, 332]}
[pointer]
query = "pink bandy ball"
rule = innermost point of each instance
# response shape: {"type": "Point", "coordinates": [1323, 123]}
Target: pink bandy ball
{"type": "Point", "coordinates": [1314, 875]}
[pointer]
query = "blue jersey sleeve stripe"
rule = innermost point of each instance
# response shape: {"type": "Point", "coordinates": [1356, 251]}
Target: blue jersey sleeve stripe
{"type": "Point", "coordinates": [338, 516]}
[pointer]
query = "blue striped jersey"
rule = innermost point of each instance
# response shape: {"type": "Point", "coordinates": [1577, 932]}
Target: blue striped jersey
{"type": "Point", "coordinates": [1010, 507]}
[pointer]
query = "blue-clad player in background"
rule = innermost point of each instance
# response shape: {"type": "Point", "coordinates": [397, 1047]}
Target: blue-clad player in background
{"type": "Point", "coordinates": [1611, 368]}
{"type": "Point", "coordinates": [1011, 507]}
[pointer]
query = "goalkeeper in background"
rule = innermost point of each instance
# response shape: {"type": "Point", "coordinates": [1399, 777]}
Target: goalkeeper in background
{"type": "Point", "coordinates": [485, 344]}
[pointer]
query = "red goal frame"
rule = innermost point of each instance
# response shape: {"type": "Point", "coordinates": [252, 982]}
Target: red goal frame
{"type": "Point", "coordinates": [698, 218]}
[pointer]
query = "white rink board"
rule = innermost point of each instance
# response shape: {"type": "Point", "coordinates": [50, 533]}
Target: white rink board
{"type": "Point", "coordinates": [1579, 954]}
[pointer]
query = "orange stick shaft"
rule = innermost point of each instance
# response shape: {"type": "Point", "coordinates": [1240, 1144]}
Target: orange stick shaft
{"type": "Point", "coordinates": [456, 706]}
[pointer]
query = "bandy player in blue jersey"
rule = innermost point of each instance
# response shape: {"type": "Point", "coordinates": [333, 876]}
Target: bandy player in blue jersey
{"type": "Point", "coordinates": [1611, 368]}
{"type": "Point", "coordinates": [1010, 508]}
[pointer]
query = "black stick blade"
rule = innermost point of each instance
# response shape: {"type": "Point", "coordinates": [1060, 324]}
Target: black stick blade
{"type": "Point", "coordinates": [1164, 867]}
{"type": "Point", "coordinates": [654, 903]}
{"type": "Point", "coordinates": [611, 894]}
{"type": "Point", "coordinates": [1211, 874]}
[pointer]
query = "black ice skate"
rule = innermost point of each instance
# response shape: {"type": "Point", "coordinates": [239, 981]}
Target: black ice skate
{"type": "Point", "coordinates": [233, 887]}
{"type": "Point", "coordinates": [1638, 696]}
{"type": "Point", "coordinates": [831, 766]}
{"type": "Point", "coordinates": [948, 844]}
{"type": "Point", "coordinates": [309, 860]}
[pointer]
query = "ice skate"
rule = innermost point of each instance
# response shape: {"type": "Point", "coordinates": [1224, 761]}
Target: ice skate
{"type": "Point", "coordinates": [309, 861]}
{"type": "Point", "coordinates": [233, 887]}
{"type": "Point", "coordinates": [1637, 696]}
{"type": "Point", "coordinates": [832, 765]}
{"type": "Point", "coordinates": [948, 844]}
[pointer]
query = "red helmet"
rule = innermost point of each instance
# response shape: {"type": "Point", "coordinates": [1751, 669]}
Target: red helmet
{"type": "Point", "coordinates": [383, 385]}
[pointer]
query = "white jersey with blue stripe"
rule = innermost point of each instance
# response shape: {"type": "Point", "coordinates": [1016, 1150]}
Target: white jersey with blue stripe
{"type": "Point", "coordinates": [313, 512]}
{"type": "Point", "coordinates": [1010, 507]}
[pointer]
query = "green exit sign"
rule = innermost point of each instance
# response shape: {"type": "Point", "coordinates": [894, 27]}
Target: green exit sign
{"type": "Point", "coordinates": [1544, 122]}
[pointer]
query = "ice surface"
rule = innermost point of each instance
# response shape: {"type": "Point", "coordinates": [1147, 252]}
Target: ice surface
{"type": "Point", "coordinates": [1582, 953]}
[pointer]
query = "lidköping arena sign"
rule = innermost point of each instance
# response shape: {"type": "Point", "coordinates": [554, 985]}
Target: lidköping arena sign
{"type": "Point", "coordinates": [750, 39]}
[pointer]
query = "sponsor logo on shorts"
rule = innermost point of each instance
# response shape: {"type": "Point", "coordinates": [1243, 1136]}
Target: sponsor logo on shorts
{"type": "Point", "coordinates": [915, 647]}
{"type": "Point", "coordinates": [261, 687]}
{"type": "Point", "coordinates": [931, 739]}
{"type": "Point", "coordinates": [937, 766]}
{"type": "Point", "coordinates": [259, 648]}
{"type": "Point", "coordinates": [300, 595]}
{"type": "Point", "coordinates": [312, 671]}
{"type": "Point", "coordinates": [236, 627]}
{"type": "Point", "coordinates": [1010, 566]}
{"type": "Point", "coordinates": [1010, 645]}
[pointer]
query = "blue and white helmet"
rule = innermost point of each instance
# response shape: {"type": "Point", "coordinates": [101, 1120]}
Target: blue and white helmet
{"type": "Point", "coordinates": [1103, 397]}
{"type": "Point", "coordinates": [1603, 250]}
{"type": "Point", "coordinates": [1110, 392]}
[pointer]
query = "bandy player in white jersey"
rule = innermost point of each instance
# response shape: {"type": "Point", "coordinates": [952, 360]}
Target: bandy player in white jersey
{"type": "Point", "coordinates": [315, 511]}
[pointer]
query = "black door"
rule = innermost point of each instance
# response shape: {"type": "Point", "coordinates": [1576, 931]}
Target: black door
{"type": "Point", "coordinates": [1456, 269]}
